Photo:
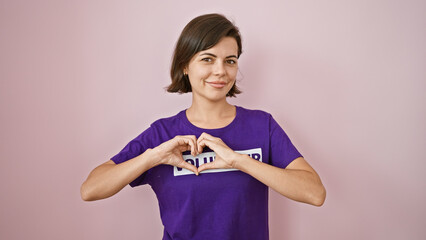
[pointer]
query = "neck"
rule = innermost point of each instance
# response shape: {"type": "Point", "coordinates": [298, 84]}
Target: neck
{"type": "Point", "coordinates": [208, 114]}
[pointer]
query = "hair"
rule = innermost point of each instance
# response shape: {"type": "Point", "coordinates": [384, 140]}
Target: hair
{"type": "Point", "coordinates": [201, 33]}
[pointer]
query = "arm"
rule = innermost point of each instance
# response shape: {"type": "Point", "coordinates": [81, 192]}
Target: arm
{"type": "Point", "coordinates": [109, 178]}
{"type": "Point", "coordinates": [298, 181]}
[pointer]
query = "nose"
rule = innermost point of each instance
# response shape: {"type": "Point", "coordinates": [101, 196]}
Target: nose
{"type": "Point", "coordinates": [219, 68]}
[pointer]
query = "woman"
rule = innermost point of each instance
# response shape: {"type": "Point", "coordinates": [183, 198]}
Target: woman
{"type": "Point", "coordinates": [211, 164]}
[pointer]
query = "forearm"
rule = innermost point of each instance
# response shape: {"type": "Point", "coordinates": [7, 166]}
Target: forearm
{"type": "Point", "coordinates": [108, 179]}
{"type": "Point", "coordinates": [299, 185]}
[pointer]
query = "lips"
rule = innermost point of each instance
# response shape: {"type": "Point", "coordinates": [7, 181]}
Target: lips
{"type": "Point", "coordinates": [217, 84]}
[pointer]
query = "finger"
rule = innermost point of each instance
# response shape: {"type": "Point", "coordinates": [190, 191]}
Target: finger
{"type": "Point", "coordinates": [200, 146]}
{"type": "Point", "coordinates": [205, 135]}
{"type": "Point", "coordinates": [195, 148]}
{"type": "Point", "coordinates": [205, 142]}
{"type": "Point", "coordinates": [193, 140]}
{"type": "Point", "coordinates": [189, 141]}
{"type": "Point", "coordinates": [188, 166]}
{"type": "Point", "coordinates": [206, 166]}
{"type": "Point", "coordinates": [202, 137]}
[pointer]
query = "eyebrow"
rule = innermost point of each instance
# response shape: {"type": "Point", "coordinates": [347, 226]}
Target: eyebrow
{"type": "Point", "coordinates": [210, 54]}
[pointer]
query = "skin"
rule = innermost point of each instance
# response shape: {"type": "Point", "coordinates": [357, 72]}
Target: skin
{"type": "Point", "coordinates": [212, 74]}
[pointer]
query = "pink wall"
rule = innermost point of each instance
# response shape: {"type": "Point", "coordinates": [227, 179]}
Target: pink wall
{"type": "Point", "coordinates": [346, 80]}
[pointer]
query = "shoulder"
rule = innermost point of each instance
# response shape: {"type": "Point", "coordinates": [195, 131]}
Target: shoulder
{"type": "Point", "coordinates": [254, 118]}
{"type": "Point", "coordinates": [253, 113]}
{"type": "Point", "coordinates": [168, 121]}
{"type": "Point", "coordinates": [161, 130]}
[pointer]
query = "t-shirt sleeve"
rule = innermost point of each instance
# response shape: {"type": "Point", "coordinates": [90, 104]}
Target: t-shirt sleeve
{"type": "Point", "coordinates": [282, 151]}
{"type": "Point", "coordinates": [133, 149]}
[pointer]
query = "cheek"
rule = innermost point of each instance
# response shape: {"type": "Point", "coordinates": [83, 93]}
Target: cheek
{"type": "Point", "coordinates": [232, 73]}
{"type": "Point", "coordinates": [199, 74]}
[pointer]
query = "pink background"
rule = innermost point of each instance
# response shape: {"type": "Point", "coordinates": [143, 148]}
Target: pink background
{"type": "Point", "coordinates": [345, 79]}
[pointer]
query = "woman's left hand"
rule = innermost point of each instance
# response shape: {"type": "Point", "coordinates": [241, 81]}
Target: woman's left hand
{"type": "Point", "coordinates": [225, 156]}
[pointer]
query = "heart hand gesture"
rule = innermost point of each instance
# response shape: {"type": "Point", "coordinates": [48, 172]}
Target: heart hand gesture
{"type": "Point", "coordinates": [170, 152]}
{"type": "Point", "coordinates": [225, 156]}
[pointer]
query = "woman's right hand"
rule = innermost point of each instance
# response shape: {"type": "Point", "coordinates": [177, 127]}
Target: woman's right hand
{"type": "Point", "coordinates": [109, 178]}
{"type": "Point", "coordinates": [170, 152]}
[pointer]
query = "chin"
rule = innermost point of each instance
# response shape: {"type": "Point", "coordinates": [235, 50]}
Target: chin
{"type": "Point", "coordinates": [214, 97]}
{"type": "Point", "coordinates": [217, 98]}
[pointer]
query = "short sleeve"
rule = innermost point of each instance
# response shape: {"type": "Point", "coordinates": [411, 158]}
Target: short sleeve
{"type": "Point", "coordinates": [281, 149]}
{"type": "Point", "coordinates": [133, 149]}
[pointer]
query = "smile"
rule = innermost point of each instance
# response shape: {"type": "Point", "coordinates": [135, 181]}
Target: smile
{"type": "Point", "coordinates": [217, 84]}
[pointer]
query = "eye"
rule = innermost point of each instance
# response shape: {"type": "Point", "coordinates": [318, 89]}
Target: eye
{"type": "Point", "coordinates": [207, 60]}
{"type": "Point", "coordinates": [231, 61]}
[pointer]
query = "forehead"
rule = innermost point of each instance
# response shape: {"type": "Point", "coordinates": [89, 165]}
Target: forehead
{"type": "Point", "coordinates": [226, 46]}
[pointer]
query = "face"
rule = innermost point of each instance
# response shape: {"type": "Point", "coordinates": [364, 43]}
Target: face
{"type": "Point", "coordinates": [212, 72]}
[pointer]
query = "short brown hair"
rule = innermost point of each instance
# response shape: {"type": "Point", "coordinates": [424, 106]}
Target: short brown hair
{"type": "Point", "coordinates": [201, 33]}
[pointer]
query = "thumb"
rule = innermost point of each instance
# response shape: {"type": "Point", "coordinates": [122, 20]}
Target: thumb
{"type": "Point", "coordinates": [206, 166]}
{"type": "Point", "coordinates": [184, 164]}
{"type": "Point", "coordinates": [191, 167]}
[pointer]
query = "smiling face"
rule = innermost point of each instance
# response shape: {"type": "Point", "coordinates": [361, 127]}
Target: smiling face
{"type": "Point", "coordinates": [212, 72]}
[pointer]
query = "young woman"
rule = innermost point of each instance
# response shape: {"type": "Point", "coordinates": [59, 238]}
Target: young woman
{"type": "Point", "coordinates": [210, 165]}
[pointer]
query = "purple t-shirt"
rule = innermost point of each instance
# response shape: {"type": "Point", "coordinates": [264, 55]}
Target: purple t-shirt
{"type": "Point", "coordinates": [220, 203]}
